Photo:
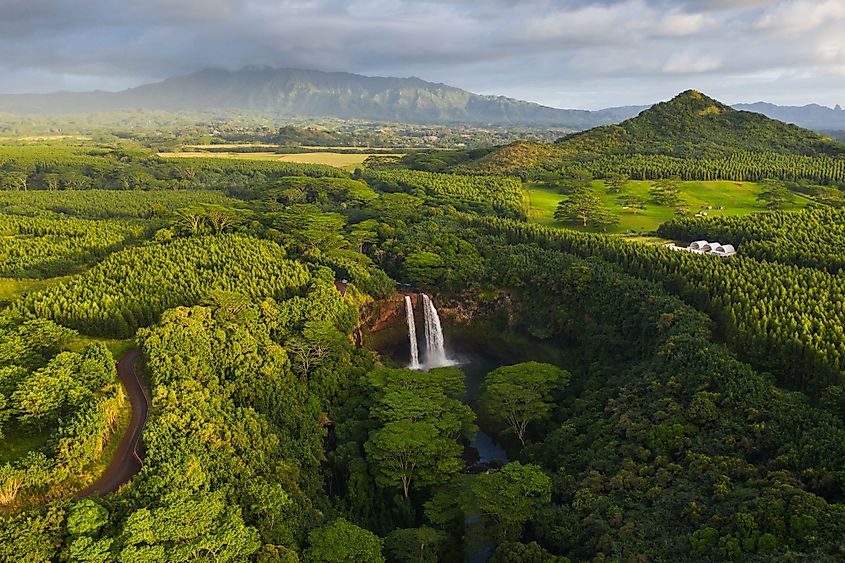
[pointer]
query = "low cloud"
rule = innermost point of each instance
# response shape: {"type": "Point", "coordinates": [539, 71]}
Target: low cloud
{"type": "Point", "coordinates": [687, 63]}
{"type": "Point", "coordinates": [569, 53]}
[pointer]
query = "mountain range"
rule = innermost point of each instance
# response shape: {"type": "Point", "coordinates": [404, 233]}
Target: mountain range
{"type": "Point", "coordinates": [689, 126]}
{"type": "Point", "coordinates": [351, 96]}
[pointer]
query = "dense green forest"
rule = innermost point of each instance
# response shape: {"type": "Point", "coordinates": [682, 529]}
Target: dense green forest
{"type": "Point", "coordinates": [809, 239]}
{"type": "Point", "coordinates": [653, 405]}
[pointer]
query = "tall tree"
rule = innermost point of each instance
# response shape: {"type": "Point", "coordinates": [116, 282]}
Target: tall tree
{"type": "Point", "coordinates": [586, 208]}
{"type": "Point", "coordinates": [666, 191]}
{"type": "Point", "coordinates": [520, 394]}
{"type": "Point", "coordinates": [415, 545]}
{"type": "Point", "coordinates": [508, 498]}
{"type": "Point", "coordinates": [616, 183]}
{"type": "Point", "coordinates": [405, 453]}
{"type": "Point", "coordinates": [776, 195]}
{"type": "Point", "coordinates": [343, 542]}
{"type": "Point", "coordinates": [633, 202]}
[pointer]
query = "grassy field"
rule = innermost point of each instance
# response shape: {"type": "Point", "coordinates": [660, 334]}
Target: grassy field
{"type": "Point", "coordinates": [336, 159]}
{"type": "Point", "coordinates": [232, 146]}
{"type": "Point", "coordinates": [11, 288]}
{"type": "Point", "coordinates": [736, 198]}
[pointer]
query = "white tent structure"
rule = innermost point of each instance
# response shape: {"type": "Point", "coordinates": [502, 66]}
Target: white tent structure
{"type": "Point", "coordinates": [704, 247]}
{"type": "Point", "coordinates": [724, 250]}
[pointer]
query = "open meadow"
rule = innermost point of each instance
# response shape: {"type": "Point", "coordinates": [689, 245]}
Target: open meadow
{"type": "Point", "coordinates": [716, 198]}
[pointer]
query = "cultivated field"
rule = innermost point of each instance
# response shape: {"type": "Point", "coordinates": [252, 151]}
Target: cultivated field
{"type": "Point", "coordinates": [336, 159]}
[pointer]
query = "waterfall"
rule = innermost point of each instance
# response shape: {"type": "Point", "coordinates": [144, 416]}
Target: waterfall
{"type": "Point", "coordinates": [435, 346]}
{"type": "Point", "coordinates": [412, 333]}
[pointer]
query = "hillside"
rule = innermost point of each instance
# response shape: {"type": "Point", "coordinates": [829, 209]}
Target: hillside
{"type": "Point", "coordinates": [694, 125]}
{"type": "Point", "coordinates": [314, 93]}
{"type": "Point", "coordinates": [691, 126]}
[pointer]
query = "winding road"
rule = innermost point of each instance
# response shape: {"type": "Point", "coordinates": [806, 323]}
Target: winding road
{"type": "Point", "coordinates": [127, 459]}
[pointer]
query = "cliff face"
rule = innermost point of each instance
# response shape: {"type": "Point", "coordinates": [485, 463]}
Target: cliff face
{"type": "Point", "coordinates": [386, 313]}
{"type": "Point", "coordinates": [384, 325]}
{"type": "Point", "coordinates": [464, 309]}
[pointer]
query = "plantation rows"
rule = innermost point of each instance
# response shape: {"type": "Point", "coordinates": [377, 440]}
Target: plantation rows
{"type": "Point", "coordinates": [480, 194]}
{"type": "Point", "coordinates": [60, 167]}
{"type": "Point", "coordinates": [741, 167]}
{"type": "Point", "coordinates": [133, 287]}
{"type": "Point", "coordinates": [788, 319]}
{"type": "Point", "coordinates": [36, 247]}
{"type": "Point", "coordinates": [106, 204]}
{"type": "Point", "coordinates": [815, 237]}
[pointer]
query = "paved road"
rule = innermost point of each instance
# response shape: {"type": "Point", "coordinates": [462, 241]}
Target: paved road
{"type": "Point", "coordinates": [127, 459]}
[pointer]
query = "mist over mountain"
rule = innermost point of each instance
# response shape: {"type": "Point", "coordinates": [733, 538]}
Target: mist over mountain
{"type": "Point", "coordinates": [351, 96]}
{"type": "Point", "coordinates": [313, 93]}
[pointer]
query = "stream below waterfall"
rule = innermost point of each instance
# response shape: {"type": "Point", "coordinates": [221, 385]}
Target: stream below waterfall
{"type": "Point", "coordinates": [475, 366]}
{"type": "Point", "coordinates": [416, 340]}
{"type": "Point", "coordinates": [406, 331]}
{"type": "Point", "coordinates": [436, 354]}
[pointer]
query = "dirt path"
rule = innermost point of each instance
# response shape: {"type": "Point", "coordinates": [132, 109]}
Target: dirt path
{"type": "Point", "coordinates": [127, 459]}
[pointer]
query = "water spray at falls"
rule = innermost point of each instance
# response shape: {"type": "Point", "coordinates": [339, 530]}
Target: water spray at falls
{"type": "Point", "coordinates": [435, 345]}
{"type": "Point", "coordinates": [412, 333]}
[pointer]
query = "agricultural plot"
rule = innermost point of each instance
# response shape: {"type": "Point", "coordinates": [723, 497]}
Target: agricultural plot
{"type": "Point", "coordinates": [336, 159]}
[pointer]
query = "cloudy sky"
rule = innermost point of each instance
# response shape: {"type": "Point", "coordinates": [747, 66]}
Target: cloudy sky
{"type": "Point", "coordinates": [563, 53]}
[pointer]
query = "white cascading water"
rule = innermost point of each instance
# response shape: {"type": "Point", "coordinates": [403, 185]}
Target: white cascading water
{"type": "Point", "coordinates": [435, 346]}
{"type": "Point", "coordinates": [412, 333]}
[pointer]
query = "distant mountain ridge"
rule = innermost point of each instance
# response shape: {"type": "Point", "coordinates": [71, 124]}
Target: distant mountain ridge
{"type": "Point", "coordinates": [689, 126]}
{"type": "Point", "coordinates": [812, 116]}
{"type": "Point", "coordinates": [312, 93]}
{"type": "Point", "coordinates": [353, 96]}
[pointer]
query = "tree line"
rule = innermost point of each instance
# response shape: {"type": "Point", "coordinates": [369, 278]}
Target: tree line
{"type": "Point", "coordinates": [40, 247]}
{"type": "Point", "coordinates": [814, 238]}
{"type": "Point", "coordinates": [131, 288]}
{"type": "Point", "coordinates": [66, 167]}
{"type": "Point", "coordinates": [481, 194]}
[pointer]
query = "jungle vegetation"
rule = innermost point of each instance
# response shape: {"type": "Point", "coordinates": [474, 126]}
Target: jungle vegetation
{"type": "Point", "coordinates": [654, 404]}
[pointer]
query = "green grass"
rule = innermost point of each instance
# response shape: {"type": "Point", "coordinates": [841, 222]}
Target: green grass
{"type": "Point", "coordinates": [16, 443]}
{"type": "Point", "coordinates": [737, 198]}
{"type": "Point", "coordinates": [11, 288]}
